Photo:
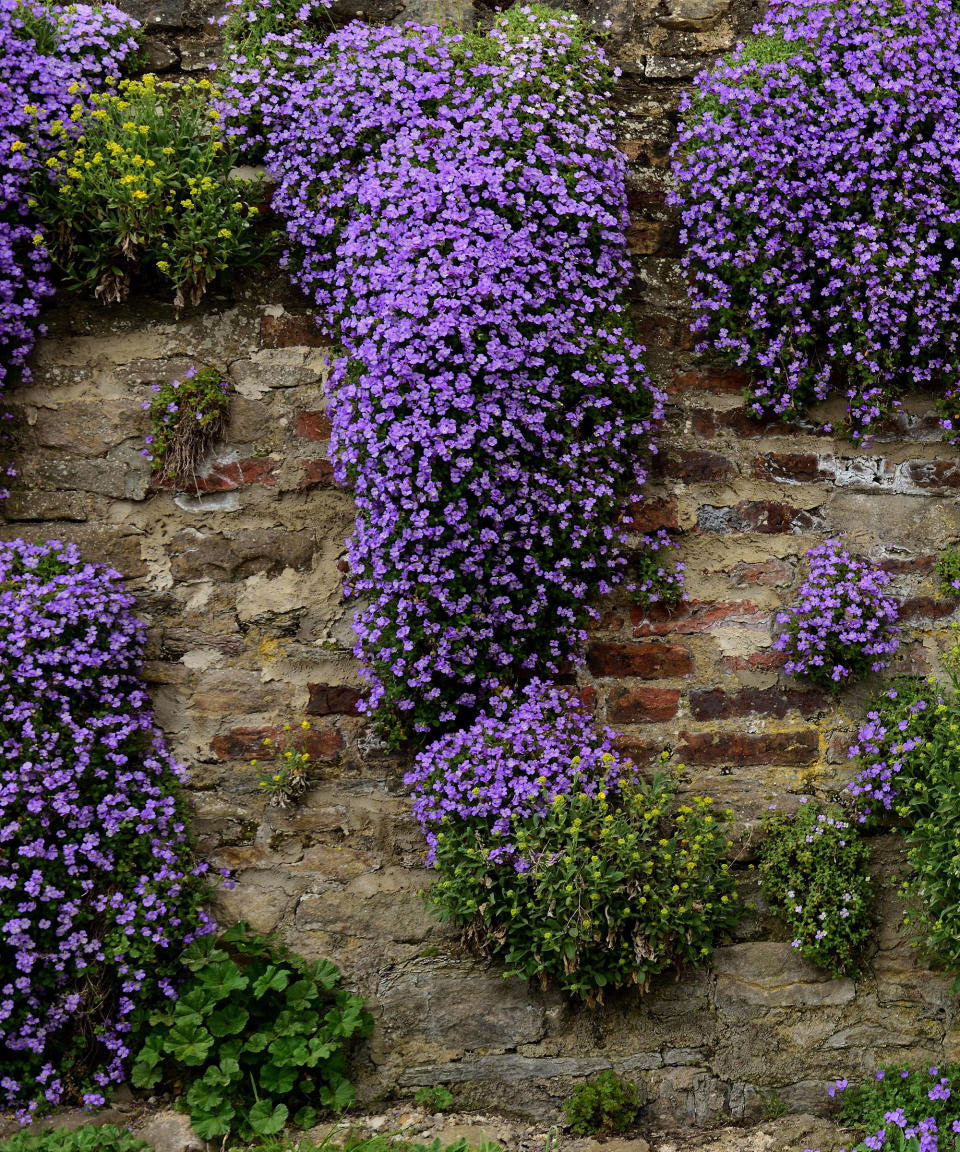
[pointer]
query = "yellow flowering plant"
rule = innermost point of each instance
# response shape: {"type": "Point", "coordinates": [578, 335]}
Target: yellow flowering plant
{"type": "Point", "coordinates": [602, 891]}
{"type": "Point", "coordinates": [285, 777]}
{"type": "Point", "coordinates": [145, 189]}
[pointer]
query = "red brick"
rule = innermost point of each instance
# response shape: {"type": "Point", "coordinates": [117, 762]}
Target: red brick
{"type": "Point", "coordinates": [742, 748]}
{"type": "Point", "coordinates": [653, 238]}
{"type": "Point", "coordinates": [772, 573]}
{"type": "Point", "coordinates": [649, 515]}
{"type": "Point", "coordinates": [763, 516]}
{"type": "Point", "coordinates": [695, 465]}
{"type": "Point", "coordinates": [220, 478]}
{"type": "Point", "coordinates": [312, 425]}
{"type": "Point", "coordinates": [243, 743]}
{"type": "Point", "coordinates": [291, 331]}
{"type": "Point", "coordinates": [696, 616]}
{"type": "Point", "coordinates": [638, 752]}
{"type": "Point", "coordinates": [588, 698]}
{"type": "Point", "coordinates": [755, 662]}
{"type": "Point", "coordinates": [803, 467]}
{"type": "Point", "coordinates": [926, 608]}
{"type": "Point", "coordinates": [932, 474]}
{"type": "Point", "coordinates": [316, 474]}
{"type": "Point", "coordinates": [645, 661]}
{"type": "Point", "coordinates": [332, 700]}
{"type": "Point", "coordinates": [715, 704]}
{"type": "Point", "coordinates": [642, 705]}
{"type": "Point", "coordinates": [321, 743]}
{"type": "Point", "coordinates": [719, 380]}
{"type": "Point", "coordinates": [259, 470]}
{"type": "Point", "coordinates": [708, 422]}
{"type": "Point", "coordinates": [922, 564]}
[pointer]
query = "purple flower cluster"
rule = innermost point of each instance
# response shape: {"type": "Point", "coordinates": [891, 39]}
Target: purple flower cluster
{"type": "Point", "coordinates": [531, 745]}
{"type": "Point", "coordinates": [98, 894]}
{"type": "Point", "coordinates": [458, 207]}
{"type": "Point", "coordinates": [49, 59]}
{"type": "Point", "coordinates": [817, 169]}
{"type": "Point", "coordinates": [898, 726]}
{"type": "Point", "coordinates": [842, 625]}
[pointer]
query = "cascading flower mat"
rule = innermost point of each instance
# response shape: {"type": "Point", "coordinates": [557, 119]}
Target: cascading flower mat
{"type": "Point", "coordinates": [817, 172]}
{"type": "Point", "coordinates": [458, 207]}
{"type": "Point", "coordinates": [98, 895]}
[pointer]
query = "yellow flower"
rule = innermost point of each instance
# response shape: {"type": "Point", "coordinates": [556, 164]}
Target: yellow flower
{"type": "Point", "coordinates": [139, 194]}
{"type": "Point", "coordinates": [30, 109]}
{"type": "Point", "coordinates": [129, 126]}
{"type": "Point", "coordinates": [305, 725]}
{"type": "Point", "coordinates": [17, 146]}
{"type": "Point", "coordinates": [168, 151]}
{"type": "Point", "coordinates": [37, 238]}
{"type": "Point", "coordinates": [186, 203]}
{"type": "Point", "coordinates": [74, 88]}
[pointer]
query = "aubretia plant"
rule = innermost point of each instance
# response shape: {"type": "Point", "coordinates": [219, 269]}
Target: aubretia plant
{"type": "Point", "coordinates": [601, 891]}
{"type": "Point", "coordinates": [456, 205]}
{"type": "Point", "coordinates": [814, 870]}
{"type": "Point", "coordinates": [98, 894]}
{"type": "Point", "coordinates": [148, 187]}
{"type": "Point", "coordinates": [186, 418]}
{"type": "Point", "coordinates": [653, 580]}
{"type": "Point", "coordinates": [903, 1110]}
{"type": "Point", "coordinates": [530, 746]}
{"type": "Point", "coordinates": [909, 754]}
{"type": "Point", "coordinates": [842, 626]}
{"type": "Point", "coordinates": [816, 171]}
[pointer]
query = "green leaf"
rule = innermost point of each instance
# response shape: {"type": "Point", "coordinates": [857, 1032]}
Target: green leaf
{"type": "Point", "coordinates": [278, 1080]}
{"type": "Point", "coordinates": [190, 1045]}
{"type": "Point", "coordinates": [273, 979]}
{"type": "Point", "coordinates": [203, 1097]}
{"type": "Point", "coordinates": [210, 1125]}
{"type": "Point", "coordinates": [266, 1120]}
{"type": "Point", "coordinates": [228, 1020]}
{"type": "Point", "coordinates": [305, 1118]}
{"type": "Point", "coordinates": [222, 979]}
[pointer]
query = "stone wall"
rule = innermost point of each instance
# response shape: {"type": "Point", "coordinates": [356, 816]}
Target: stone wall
{"type": "Point", "coordinates": [240, 585]}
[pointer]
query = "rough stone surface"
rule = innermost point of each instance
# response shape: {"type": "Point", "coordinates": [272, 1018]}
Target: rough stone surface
{"type": "Point", "coordinates": [171, 1132]}
{"type": "Point", "coordinates": [239, 582]}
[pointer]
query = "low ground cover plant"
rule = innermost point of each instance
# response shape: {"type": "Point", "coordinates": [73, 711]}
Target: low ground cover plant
{"type": "Point", "coordinates": [656, 576]}
{"type": "Point", "coordinates": [257, 1034]}
{"type": "Point", "coordinates": [814, 870]}
{"type": "Point", "coordinates": [903, 1109]}
{"type": "Point", "coordinates": [816, 172]}
{"type": "Point", "coordinates": [842, 626]}
{"type": "Point", "coordinates": [607, 1104]}
{"type": "Point", "coordinates": [146, 188]}
{"type": "Point", "coordinates": [86, 1138]}
{"type": "Point", "coordinates": [98, 893]}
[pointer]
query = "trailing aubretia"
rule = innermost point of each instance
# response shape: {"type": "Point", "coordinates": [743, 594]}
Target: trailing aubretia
{"type": "Point", "coordinates": [532, 745]}
{"type": "Point", "coordinates": [97, 892]}
{"type": "Point", "coordinates": [458, 205]}
{"type": "Point", "coordinates": [814, 869]}
{"type": "Point", "coordinates": [902, 1109]}
{"type": "Point", "coordinates": [49, 59]}
{"type": "Point", "coordinates": [842, 626]}
{"type": "Point", "coordinates": [817, 170]}
{"type": "Point", "coordinates": [654, 580]}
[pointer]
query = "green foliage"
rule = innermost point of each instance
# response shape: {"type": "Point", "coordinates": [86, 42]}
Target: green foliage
{"type": "Point", "coordinates": [285, 779]}
{"type": "Point", "coordinates": [599, 892]}
{"type": "Point", "coordinates": [186, 417]}
{"type": "Point", "coordinates": [814, 871]}
{"type": "Point", "coordinates": [893, 1087]}
{"type": "Point", "coordinates": [106, 1138]}
{"type": "Point", "coordinates": [435, 1098]}
{"type": "Point", "coordinates": [147, 188]}
{"type": "Point", "coordinates": [605, 1104]}
{"type": "Point", "coordinates": [910, 757]}
{"type": "Point", "coordinates": [948, 569]}
{"type": "Point", "coordinates": [653, 579]}
{"type": "Point", "coordinates": [260, 1037]}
